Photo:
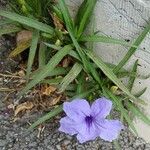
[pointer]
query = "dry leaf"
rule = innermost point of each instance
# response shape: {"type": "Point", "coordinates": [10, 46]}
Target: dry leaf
{"type": "Point", "coordinates": [21, 73]}
{"type": "Point", "coordinates": [23, 36]}
{"type": "Point", "coordinates": [57, 22]}
{"type": "Point", "coordinates": [66, 62]}
{"type": "Point", "coordinates": [21, 46]}
{"type": "Point", "coordinates": [55, 100]}
{"type": "Point", "coordinates": [23, 40]}
{"type": "Point", "coordinates": [47, 90]}
{"type": "Point", "coordinates": [40, 130]}
{"type": "Point", "coordinates": [16, 119]}
{"type": "Point", "coordinates": [23, 107]}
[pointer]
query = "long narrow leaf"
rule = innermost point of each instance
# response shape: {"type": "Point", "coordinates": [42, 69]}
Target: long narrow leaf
{"type": "Point", "coordinates": [104, 39]}
{"type": "Point", "coordinates": [66, 14]}
{"type": "Point", "coordinates": [132, 78]}
{"type": "Point", "coordinates": [5, 22]}
{"type": "Point", "coordinates": [57, 110]}
{"type": "Point", "coordinates": [137, 112]}
{"type": "Point", "coordinates": [84, 14]}
{"type": "Point", "coordinates": [32, 52]}
{"type": "Point", "coordinates": [108, 72]}
{"type": "Point", "coordinates": [27, 21]}
{"type": "Point", "coordinates": [42, 55]}
{"type": "Point", "coordinates": [141, 92]}
{"type": "Point", "coordinates": [11, 29]}
{"type": "Point", "coordinates": [87, 65]}
{"type": "Point", "coordinates": [73, 73]}
{"type": "Point", "coordinates": [121, 108]}
{"type": "Point", "coordinates": [47, 68]}
{"type": "Point", "coordinates": [131, 51]}
{"type": "Point", "coordinates": [58, 71]}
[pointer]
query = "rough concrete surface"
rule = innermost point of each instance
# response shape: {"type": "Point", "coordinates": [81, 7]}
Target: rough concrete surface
{"type": "Point", "coordinates": [12, 134]}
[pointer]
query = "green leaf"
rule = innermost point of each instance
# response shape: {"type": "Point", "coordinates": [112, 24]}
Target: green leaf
{"type": "Point", "coordinates": [104, 39]}
{"type": "Point", "coordinates": [73, 73]}
{"type": "Point", "coordinates": [55, 81]}
{"type": "Point", "coordinates": [57, 110]}
{"type": "Point", "coordinates": [84, 15]}
{"type": "Point", "coordinates": [46, 117]}
{"type": "Point", "coordinates": [42, 55]}
{"type": "Point", "coordinates": [66, 14]}
{"type": "Point", "coordinates": [5, 22]}
{"type": "Point", "coordinates": [52, 46]}
{"type": "Point", "coordinates": [8, 30]}
{"type": "Point", "coordinates": [57, 71]}
{"type": "Point", "coordinates": [108, 72]}
{"type": "Point", "coordinates": [132, 78]}
{"type": "Point", "coordinates": [87, 65]}
{"type": "Point", "coordinates": [141, 92]}
{"type": "Point", "coordinates": [47, 68]}
{"type": "Point", "coordinates": [137, 112]}
{"type": "Point", "coordinates": [81, 83]}
{"type": "Point", "coordinates": [32, 52]}
{"type": "Point", "coordinates": [27, 21]}
{"type": "Point", "coordinates": [131, 51]}
{"type": "Point", "coordinates": [120, 107]}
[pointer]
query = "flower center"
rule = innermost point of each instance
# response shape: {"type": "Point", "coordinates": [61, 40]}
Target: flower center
{"type": "Point", "coordinates": [89, 120]}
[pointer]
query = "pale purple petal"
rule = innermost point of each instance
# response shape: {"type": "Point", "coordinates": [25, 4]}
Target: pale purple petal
{"type": "Point", "coordinates": [67, 125]}
{"type": "Point", "coordinates": [101, 107]}
{"type": "Point", "coordinates": [109, 129]}
{"type": "Point", "coordinates": [77, 109]}
{"type": "Point", "coordinates": [86, 133]}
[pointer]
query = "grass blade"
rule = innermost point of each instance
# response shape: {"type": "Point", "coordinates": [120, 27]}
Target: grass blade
{"type": "Point", "coordinates": [73, 73]}
{"type": "Point", "coordinates": [46, 117]}
{"type": "Point", "coordinates": [47, 68]}
{"type": "Point", "coordinates": [87, 65]}
{"type": "Point", "coordinates": [141, 92]}
{"type": "Point", "coordinates": [5, 22]}
{"type": "Point", "coordinates": [121, 108]}
{"type": "Point", "coordinates": [104, 39]}
{"type": "Point", "coordinates": [57, 71]}
{"type": "Point", "coordinates": [27, 21]}
{"type": "Point", "coordinates": [137, 112]}
{"type": "Point", "coordinates": [84, 15]}
{"type": "Point", "coordinates": [34, 43]}
{"type": "Point", "coordinates": [132, 49]}
{"type": "Point", "coordinates": [57, 110]}
{"type": "Point", "coordinates": [55, 81]}
{"type": "Point", "coordinates": [11, 29]}
{"type": "Point", "coordinates": [42, 55]}
{"type": "Point", "coordinates": [132, 78]}
{"type": "Point", "coordinates": [108, 72]}
{"type": "Point", "coordinates": [66, 14]}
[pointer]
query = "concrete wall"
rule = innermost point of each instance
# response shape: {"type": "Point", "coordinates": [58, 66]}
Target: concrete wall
{"type": "Point", "coordinates": [124, 19]}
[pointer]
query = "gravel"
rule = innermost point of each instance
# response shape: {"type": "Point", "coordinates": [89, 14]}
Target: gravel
{"type": "Point", "coordinates": [13, 134]}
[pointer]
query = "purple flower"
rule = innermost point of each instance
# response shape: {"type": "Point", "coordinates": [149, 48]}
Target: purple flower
{"type": "Point", "coordinates": [89, 122]}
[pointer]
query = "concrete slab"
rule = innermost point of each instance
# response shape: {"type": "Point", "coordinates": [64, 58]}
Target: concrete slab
{"type": "Point", "coordinates": [124, 19]}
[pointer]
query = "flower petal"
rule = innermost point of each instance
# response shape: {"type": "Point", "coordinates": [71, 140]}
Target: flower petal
{"type": "Point", "coordinates": [101, 107]}
{"type": "Point", "coordinates": [67, 126]}
{"type": "Point", "coordinates": [86, 133]}
{"type": "Point", "coordinates": [77, 109]}
{"type": "Point", "coordinates": [109, 129]}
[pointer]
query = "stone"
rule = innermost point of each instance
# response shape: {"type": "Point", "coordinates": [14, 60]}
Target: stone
{"type": "Point", "coordinates": [2, 142]}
